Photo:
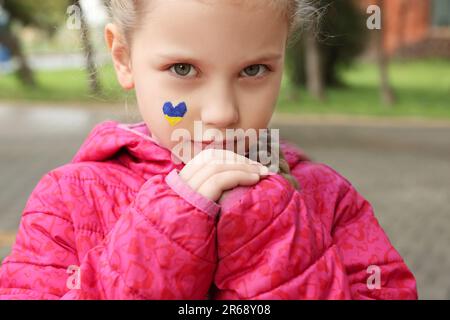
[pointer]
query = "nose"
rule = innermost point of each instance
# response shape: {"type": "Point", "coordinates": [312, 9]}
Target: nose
{"type": "Point", "coordinates": [220, 109]}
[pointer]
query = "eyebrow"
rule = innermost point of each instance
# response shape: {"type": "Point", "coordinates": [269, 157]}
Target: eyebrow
{"type": "Point", "coordinates": [186, 59]}
{"type": "Point", "coordinates": [267, 57]}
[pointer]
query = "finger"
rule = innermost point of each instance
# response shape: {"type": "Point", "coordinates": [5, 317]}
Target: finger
{"type": "Point", "coordinates": [212, 156]}
{"type": "Point", "coordinates": [205, 173]}
{"type": "Point", "coordinates": [228, 156]}
{"type": "Point", "coordinates": [223, 181]}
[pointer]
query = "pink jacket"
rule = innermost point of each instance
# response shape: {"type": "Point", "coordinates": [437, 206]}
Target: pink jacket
{"type": "Point", "coordinates": [119, 223]}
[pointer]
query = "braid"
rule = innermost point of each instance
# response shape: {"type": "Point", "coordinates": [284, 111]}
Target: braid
{"type": "Point", "coordinates": [283, 167]}
{"type": "Point", "coordinates": [285, 171]}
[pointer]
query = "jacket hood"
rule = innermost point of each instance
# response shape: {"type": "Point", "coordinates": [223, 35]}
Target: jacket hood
{"type": "Point", "coordinates": [131, 145]}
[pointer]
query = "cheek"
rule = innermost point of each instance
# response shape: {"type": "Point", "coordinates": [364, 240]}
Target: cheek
{"type": "Point", "coordinates": [150, 108]}
{"type": "Point", "coordinates": [257, 107]}
{"type": "Point", "coordinates": [150, 100]}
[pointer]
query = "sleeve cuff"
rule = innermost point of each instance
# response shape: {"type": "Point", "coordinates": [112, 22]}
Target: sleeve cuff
{"type": "Point", "coordinates": [190, 195]}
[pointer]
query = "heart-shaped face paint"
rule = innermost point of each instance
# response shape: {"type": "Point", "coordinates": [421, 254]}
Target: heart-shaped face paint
{"type": "Point", "coordinates": [174, 114]}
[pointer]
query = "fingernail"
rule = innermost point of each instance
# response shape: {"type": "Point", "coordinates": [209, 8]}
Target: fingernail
{"type": "Point", "coordinates": [264, 171]}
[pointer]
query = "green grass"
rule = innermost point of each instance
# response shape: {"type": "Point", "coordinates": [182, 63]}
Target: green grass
{"type": "Point", "coordinates": [422, 89]}
{"type": "Point", "coordinates": [66, 86]}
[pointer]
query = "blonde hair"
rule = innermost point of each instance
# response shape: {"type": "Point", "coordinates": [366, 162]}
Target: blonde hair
{"type": "Point", "coordinates": [300, 14]}
{"type": "Point", "coordinates": [283, 165]}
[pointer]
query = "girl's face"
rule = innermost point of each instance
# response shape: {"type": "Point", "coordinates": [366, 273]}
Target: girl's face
{"type": "Point", "coordinates": [224, 60]}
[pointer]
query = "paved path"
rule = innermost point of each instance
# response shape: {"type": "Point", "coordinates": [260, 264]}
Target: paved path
{"type": "Point", "coordinates": [402, 168]}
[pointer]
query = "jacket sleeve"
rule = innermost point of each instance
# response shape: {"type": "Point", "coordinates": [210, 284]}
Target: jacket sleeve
{"type": "Point", "coordinates": [271, 247]}
{"type": "Point", "coordinates": [374, 267]}
{"type": "Point", "coordinates": [162, 247]}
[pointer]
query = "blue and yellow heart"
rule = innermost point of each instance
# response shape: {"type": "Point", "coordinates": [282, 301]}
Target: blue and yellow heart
{"type": "Point", "coordinates": [174, 114]}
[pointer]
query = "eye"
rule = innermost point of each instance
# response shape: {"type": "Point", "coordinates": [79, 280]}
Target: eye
{"type": "Point", "coordinates": [254, 70]}
{"type": "Point", "coordinates": [183, 69]}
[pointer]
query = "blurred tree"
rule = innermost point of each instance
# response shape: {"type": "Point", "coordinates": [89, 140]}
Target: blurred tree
{"type": "Point", "coordinates": [44, 14]}
{"type": "Point", "coordinates": [314, 67]}
{"type": "Point", "coordinates": [340, 37]}
{"type": "Point", "coordinates": [387, 93]}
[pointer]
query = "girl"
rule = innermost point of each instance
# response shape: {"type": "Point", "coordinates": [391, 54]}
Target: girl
{"type": "Point", "coordinates": [124, 220]}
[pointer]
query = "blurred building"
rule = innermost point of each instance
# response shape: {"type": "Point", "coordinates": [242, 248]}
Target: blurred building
{"type": "Point", "coordinates": [415, 28]}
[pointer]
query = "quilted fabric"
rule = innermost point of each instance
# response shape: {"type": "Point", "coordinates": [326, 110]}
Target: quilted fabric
{"type": "Point", "coordinates": [133, 229]}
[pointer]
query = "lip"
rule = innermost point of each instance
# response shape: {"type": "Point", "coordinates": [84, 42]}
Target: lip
{"type": "Point", "coordinates": [215, 142]}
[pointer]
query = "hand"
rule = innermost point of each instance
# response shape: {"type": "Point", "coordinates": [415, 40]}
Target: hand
{"type": "Point", "coordinates": [214, 171]}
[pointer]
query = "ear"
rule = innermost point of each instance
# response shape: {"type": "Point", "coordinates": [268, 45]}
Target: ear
{"type": "Point", "coordinates": [120, 55]}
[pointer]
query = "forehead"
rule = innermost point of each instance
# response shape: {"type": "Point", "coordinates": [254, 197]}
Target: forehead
{"type": "Point", "coordinates": [228, 28]}
{"type": "Point", "coordinates": [281, 5]}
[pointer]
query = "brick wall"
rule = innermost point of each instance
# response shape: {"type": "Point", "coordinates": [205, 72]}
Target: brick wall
{"type": "Point", "coordinates": [405, 22]}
